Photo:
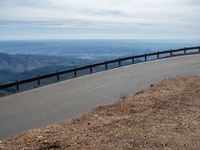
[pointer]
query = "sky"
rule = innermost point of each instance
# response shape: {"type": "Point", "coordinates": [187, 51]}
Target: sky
{"type": "Point", "coordinates": [99, 19]}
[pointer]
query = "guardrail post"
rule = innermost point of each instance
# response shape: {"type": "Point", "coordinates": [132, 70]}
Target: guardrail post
{"type": "Point", "coordinates": [133, 60]}
{"type": "Point", "coordinates": [171, 53]}
{"type": "Point", "coordinates": [58, 77]}
{"type": "Point", "coordinates": [75, 73]}
{"type": "Point", "coordinates": [185, 51]}
{"type": "Point", "coordinates": [145, 57]}
{"type": "Point", "coordinates": [120, 64]}
{"type": "Point", "coordinates": [91, 70]}
{"type": "Point", "coordinates": [158, 55]}
{"type": "Point", "coordinates": [106, 66]}
{"type": "Point", "coordinates": [17, 85]}
{"type": "Point", "coordinates": [38, 81]}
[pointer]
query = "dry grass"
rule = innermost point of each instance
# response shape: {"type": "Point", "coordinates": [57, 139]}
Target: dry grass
{"type": "Point", "coordinates": [165, 116]}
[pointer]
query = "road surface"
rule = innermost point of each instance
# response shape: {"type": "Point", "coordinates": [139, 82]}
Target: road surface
{"type": "Point", "coordinates": [64, 100]}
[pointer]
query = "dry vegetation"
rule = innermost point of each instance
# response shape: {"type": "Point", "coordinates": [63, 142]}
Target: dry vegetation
{"type": "Point", "coordinates": [165, 116]}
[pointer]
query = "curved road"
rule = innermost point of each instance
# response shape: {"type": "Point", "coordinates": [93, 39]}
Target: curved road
{"type": "Point", "coordinates": [68, 99]}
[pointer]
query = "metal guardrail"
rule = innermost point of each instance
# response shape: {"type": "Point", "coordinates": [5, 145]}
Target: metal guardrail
{"type": "Point", "coordinates": [158, 54]}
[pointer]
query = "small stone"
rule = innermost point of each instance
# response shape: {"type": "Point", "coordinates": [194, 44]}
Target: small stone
{"type": "Point", "coordinates": [39, 137]}
{"type": "Point", "coordinates": [68, 145]}
{"type": "Point", "coordinates": [45, 142]}
{"type": "Point", "coordinates": [96, 116]}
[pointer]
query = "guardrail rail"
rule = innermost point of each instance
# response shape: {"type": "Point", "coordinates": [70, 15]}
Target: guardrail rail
{"type": "Point", "coordinates": [169, 53]}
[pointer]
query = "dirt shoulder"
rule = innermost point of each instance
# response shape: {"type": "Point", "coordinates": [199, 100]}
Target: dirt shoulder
{"type": "Point", "coordinates": [166, 115]}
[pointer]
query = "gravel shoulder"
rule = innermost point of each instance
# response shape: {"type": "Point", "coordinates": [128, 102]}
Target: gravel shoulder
{"type": "Point", "coordinates": [164, 116]}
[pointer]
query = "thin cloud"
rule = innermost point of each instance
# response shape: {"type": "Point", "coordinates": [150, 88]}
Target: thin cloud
{"type": "Point", "coordinates": [148, 14]}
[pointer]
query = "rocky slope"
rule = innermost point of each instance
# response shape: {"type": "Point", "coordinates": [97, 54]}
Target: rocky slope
{"type": "Point", "coordinates": [165, 116]}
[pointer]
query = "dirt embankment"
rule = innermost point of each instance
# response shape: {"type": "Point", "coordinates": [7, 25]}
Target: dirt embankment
{"type": "Point", "coordinates": [165, 116]}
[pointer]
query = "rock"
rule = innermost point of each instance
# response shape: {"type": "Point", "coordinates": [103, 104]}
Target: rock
{"type": "Point", "coordinates": [1, 146]}
{"type": "Point", "coordinates": [152, 85]}
{"type": "Point", "coordinates": [40, 137]}
{"type": "Point", "coordinates": [96, 116]}
{"type": "Point", "coordinates": [45, 142]}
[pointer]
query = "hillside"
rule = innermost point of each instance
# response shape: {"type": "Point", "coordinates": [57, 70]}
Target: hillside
{"type": "Point", "coordinates": [19, 66]}
{"type": "Point", "coordinates": [20, 62]}
{"type": "Point", "coordinates": [166, 115]}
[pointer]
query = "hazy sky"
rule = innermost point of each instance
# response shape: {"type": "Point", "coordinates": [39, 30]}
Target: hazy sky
{"type": "Point", "coordinates": [99, 19]}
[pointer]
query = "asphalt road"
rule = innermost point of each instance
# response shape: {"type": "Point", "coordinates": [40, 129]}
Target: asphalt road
{"type": "Point", "coordinates": [64, 100]}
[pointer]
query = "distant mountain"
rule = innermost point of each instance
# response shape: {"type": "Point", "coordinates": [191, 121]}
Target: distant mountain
{"type": "Point", "coordinates": [19, 66]}
{"type": "Point", "coordinates": [8, 76]}
{"type": "Point", "coordinates": [20, 62]}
